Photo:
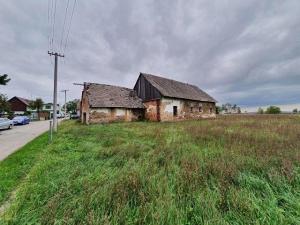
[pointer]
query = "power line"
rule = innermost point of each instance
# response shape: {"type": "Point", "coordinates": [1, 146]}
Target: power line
{"type": "Point", "coordinates": [64, 24]}
{"type": "Point", "coordinates": [66, 42]}
{"type": "Point", "coordinates": [50, 25]}
{"type": "Point", "coordinates": [51, 21]}
{"type": "Point", "coordinates": [53, 24]}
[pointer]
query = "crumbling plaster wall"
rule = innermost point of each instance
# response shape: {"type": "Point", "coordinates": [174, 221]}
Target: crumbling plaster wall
{"type": "Point", "coordinates": [151, 112]}
{"type": "Point", "coordinates": [84, 108]}
{"type": "Point", "coordinates": [186, 109]}
{"type": "Point", "coordinates": [106, 115]}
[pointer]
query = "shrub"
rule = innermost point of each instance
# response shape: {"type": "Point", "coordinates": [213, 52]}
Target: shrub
{"type": "Point", "coordinates": [273, 110]}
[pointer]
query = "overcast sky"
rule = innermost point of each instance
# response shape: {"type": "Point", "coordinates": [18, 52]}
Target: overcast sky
{"type": "Point", "coordinates": [243, 52]}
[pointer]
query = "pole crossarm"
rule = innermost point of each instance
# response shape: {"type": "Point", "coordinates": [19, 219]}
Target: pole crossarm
{"type": "Point", "coordinates": [55, 54]}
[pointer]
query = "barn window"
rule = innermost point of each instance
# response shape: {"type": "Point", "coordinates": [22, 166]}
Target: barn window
{"type": "Point", "coordinates": [200, 109]}
{"type": "Point", "coordinates": [191, 109]}
{"type": "Point", "coordinates": [174, 110]}
{"type": "Point", "coordinates": [210, 110]}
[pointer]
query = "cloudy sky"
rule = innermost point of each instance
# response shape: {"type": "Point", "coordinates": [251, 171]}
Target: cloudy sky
{"type": "Point", "coordinates": [243, 52]}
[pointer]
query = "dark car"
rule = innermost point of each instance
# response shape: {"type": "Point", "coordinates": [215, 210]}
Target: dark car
{"type": "Point", "coordinates": [21, 120]}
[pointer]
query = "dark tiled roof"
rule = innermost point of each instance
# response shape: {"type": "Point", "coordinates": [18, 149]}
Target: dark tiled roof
{"type": "Point", "coordinates": [108, 96]}
{"type": "Point", "coordinates": [24, 100]}
{"type": "Point", "coordinates": [176, 89]}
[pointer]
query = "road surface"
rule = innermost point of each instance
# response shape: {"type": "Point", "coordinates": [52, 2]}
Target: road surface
{"type": "Point", "coordinates": [18, 136]}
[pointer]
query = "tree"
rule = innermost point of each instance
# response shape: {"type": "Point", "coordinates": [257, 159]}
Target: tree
{"type": "Point", "coordinates": [4, 79]}
{"type": "Point", "coordinates": [4, 104]}
{"type": "Point", "coordinates": [32, 105]}
{"type": "Point", "coordinates": [218, 109]}
{"type": "Point", "coordinates": [260, 111]}
{"type": "Point", "coordinates": [273, 110]}
{"type": "Point", "coordinates": [72, 106]}
{"type": "Point", "coordinates": [37, 104]}
{"type": "Point", "coordinates": [295, 111]}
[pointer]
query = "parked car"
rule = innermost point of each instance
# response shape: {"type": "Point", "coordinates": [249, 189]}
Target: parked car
{"type": "Point", "coordinates": [21, 120]}
{"type": "Point", "coordinates": [74, 116]}
{"type": "Point", "coordinates": [60, 115]}
{"type": "Point", "coordinates": [6, 123]}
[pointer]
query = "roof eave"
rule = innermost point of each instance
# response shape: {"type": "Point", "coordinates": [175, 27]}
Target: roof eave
{"type": "Point", "coordinates": [166, 96]}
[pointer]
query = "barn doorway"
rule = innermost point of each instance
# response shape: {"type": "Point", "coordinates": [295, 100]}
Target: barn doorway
{"type": "Point", "coordinates": [84, 118]}
{"type": "Point", "coordinates": [175, 111]}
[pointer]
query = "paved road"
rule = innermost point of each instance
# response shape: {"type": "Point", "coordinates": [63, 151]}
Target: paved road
{"type": "Point", "coordinates": [12, 140]}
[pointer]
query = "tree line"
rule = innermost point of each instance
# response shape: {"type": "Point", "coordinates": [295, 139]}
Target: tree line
{"type": "Point", "coordinates": [273, 110]}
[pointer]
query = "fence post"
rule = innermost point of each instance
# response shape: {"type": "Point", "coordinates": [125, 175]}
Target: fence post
{"type": "Point", "coordinates": [50, 131]}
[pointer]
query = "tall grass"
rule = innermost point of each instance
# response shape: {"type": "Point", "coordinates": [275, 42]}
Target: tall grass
{"type": "Point", "coordinates": [231, 170]}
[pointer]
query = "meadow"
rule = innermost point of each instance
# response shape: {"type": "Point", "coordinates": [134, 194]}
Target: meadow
{"type": "Point", "coordinates": [229, 170]}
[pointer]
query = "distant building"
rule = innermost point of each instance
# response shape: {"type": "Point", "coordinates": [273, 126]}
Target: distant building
{"type": "Point", "coordinates": [48, 110]}
{"type": "Point", "coordinates": [230, 109]}
{"type": "Point", "coordinates": [48, 107]}
{"type": "Point", "coordinates": [19, 105]}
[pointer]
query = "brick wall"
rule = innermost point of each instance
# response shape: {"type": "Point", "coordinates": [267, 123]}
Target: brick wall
{"type": "Point", "coordinates": [106, 115]}
{"type": "Point", "coordinates": [152, 110]}
{"type": "Point", "coordinates": [84, 108]}
{"type": "Point", "coordinates": [163, 109]}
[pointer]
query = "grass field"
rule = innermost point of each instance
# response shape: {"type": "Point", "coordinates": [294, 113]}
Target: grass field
{"type": "Point", "coordinates": [231, 170]}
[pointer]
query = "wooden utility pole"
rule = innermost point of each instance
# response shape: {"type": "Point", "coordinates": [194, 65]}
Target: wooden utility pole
{"type": "Point", "coordinates": [65, 102]}
{"type": "Point", "coordinates": [56, 55]}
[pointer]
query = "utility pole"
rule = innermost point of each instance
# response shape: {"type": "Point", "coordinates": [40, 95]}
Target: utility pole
{"type": "Point", "coordinates": [65, 102]}
{"type": "Point", "coordinates": [56, 55]}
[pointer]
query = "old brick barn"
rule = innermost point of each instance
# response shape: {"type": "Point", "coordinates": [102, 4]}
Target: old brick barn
{"type": "Point", "coordinates": [106, 103]}
{"type": "Point", "coordinates": [153, 98]}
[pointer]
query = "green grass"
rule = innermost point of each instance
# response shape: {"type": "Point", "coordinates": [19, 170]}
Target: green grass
{"type": "Point", "coordinates": [232, 170]}
{"type": "Point", "coordinates": [15, 167]}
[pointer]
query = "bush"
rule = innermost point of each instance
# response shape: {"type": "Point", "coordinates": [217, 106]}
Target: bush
{"type": "Point", "coordinates": [273, 110]}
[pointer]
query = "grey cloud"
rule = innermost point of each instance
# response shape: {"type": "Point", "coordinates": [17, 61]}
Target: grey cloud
{"type": "Point", "coordinates": [245, 52]}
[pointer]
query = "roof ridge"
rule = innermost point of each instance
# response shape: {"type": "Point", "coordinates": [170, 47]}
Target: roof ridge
{"type": "Point", "coordinates": [103, 95]}
{"type": "Point", "coordinates": [177, 89]}
{"type": "Point", "coordinates": [24, 100]}
{"type": "Point", "coordinates": [161, 77]}
{"type": "Point", "coordinates": [88, 83]}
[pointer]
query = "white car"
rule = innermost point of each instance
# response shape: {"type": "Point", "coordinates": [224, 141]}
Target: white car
{"type": "Point", "coordinates": [6, 123]}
